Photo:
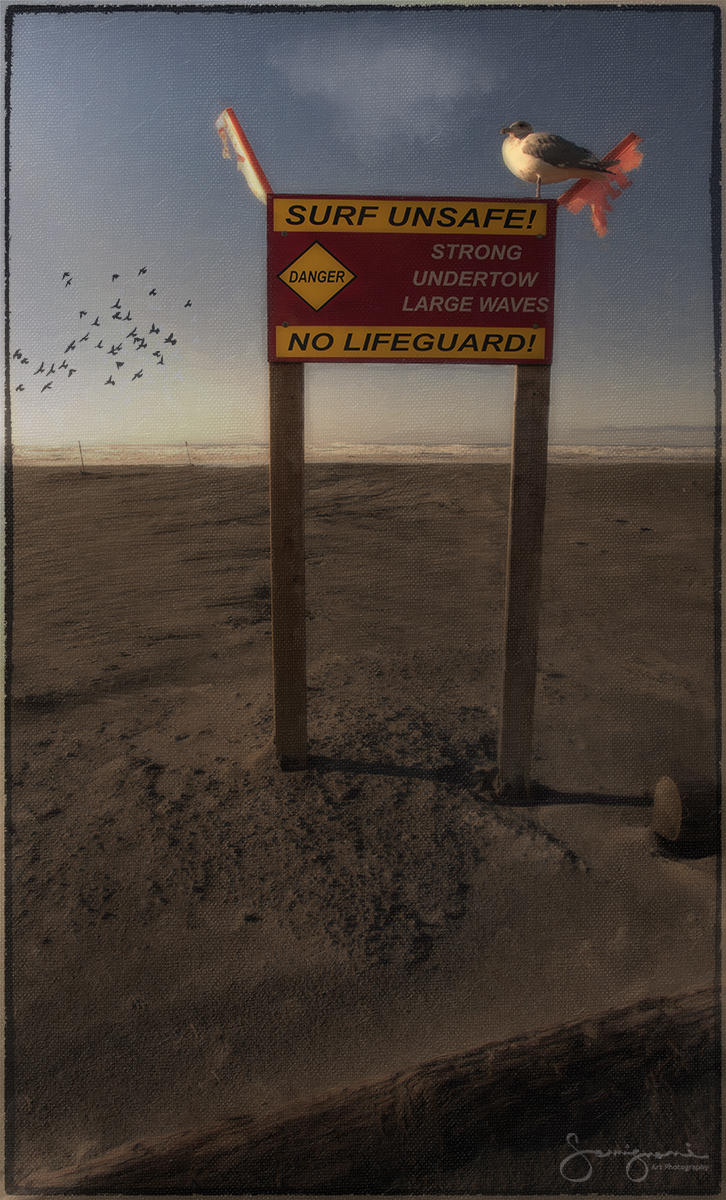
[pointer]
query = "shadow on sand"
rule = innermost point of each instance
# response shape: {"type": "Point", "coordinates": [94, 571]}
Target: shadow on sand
{"type": "Point", "coordinates": [480, 778]}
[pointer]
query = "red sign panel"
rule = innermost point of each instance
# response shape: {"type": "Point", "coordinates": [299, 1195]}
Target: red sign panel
{"type": "Point", "coordinates": [410, 279]}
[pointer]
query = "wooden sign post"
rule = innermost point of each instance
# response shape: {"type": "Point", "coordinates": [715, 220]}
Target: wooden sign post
{"type": "Point", "coordinates": [527, 489]}
{"type": "Point", "coordinates": [287, 561]}
{"type": "Point", "coordinates": [409, 279]}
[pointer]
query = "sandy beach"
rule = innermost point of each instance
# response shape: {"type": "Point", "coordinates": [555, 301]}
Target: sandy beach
{"type": "Point", "coordinates": [194, 934]}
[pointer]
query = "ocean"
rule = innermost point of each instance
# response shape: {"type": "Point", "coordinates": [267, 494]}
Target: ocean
{"type": "Point", "coordinates": [232, 454]}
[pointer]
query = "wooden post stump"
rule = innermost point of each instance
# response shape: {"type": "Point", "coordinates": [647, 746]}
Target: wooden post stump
{"type": "Point", "coordinates": [685, 810]}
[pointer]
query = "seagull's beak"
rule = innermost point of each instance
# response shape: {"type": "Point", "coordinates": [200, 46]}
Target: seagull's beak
{"type": "Point", "coordinates": [505, 130]}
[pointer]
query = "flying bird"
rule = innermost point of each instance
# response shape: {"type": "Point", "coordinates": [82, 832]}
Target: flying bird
{"type": "Point", "coordinates": [110, 380]}
{"type": "Point", "coordinates": [547, 158]}
{"type": "Point", "coordinates": [119, 365]}
{"type": "Point", "coordinates": [66, 275]}
{"type": "Point", "coordinates": [84, 338]}
{"type": "Point", "coordinates": [99, 344]}
{"type": "Point", "coordinates": [20, 387]}
{"type": "Point", "coordinates": [82, 314]}
{"type": "Point", "coordinates": [48, 385]}
{"type": "Point", "coordinates": [113, 277]}
{"type": "Point", "coordinates": [63, 366]}
{"type": "Point", "coordinates": [154, 328]}
{"type": "Point", "coordinates": [136, 376]}
{"type": "Point", "coordinates": [171, 339]}
{"type": "Point", "coordinates": [142, 270]}
{"type": "Point", "coordinates": [116, 303]}
{"type": "Point", "coordinates": [18, 354]}
{"type": "Point", "coordinates": [96, 322]}
{"type": "Point", "coordinates": [152, 292]}
{"type": "Point", "coordinates": [68, 284]}
{"type": "Point", "coordinates": [40, 370]}
{"type": "Point", "coordinates": [188, 304]}
{"type": "Point", "coordinates": [70, 346]}
{"type": "Point", "coordinates": [71, 372]}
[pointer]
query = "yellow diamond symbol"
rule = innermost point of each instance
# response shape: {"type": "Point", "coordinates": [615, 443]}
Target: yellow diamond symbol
{"type": "Point", "coordinates": [316, 276]}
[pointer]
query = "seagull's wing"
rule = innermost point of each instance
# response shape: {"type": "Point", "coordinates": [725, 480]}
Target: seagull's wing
{"type": "Point", "coordinates": [558, 152]}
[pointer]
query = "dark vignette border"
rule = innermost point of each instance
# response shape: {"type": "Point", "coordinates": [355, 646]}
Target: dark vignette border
{"type": "Point", "coordinates": [716, 251]}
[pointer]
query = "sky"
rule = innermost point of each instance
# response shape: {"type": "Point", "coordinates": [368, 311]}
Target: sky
{"type": "Point", "coordinates": [115, 166]}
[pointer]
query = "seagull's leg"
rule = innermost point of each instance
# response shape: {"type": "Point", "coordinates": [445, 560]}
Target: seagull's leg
{"type": "Point", "coordinates": [539, 186]}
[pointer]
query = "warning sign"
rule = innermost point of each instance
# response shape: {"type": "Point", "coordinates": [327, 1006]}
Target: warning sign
{"type": "Point", "coordinates": [316, 276]}
{"type": "Point", "coordinates": [464, 280]}
{"type": "Point", "coordinates": [422, 342]}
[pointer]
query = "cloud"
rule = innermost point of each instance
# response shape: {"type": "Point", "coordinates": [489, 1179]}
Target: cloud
{"type": "Point", "coordinates": [377, 85]}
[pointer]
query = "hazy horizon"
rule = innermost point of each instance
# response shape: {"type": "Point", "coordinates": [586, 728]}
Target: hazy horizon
{"type": "Point", "coordinates": [603, 435]}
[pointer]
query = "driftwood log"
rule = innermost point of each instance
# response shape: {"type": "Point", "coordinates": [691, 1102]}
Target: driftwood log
{"type": "Point", "coordinates": [362, 1139]}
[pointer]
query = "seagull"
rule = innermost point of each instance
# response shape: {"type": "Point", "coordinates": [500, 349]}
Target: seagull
{"type": "Point", "coordinates": [83, 313]}
{"type": "Point", "coordinates": [66, 275]}
{"type": "Point", "coordinates": [152, 292]}
{"type": "Point", "coordinates": [188, 304]}
{"type": "Point", "coordinates": [547, 158]}
{"type": "Point", "coordinates": [110, 380]}
{"type": "Point", "coordinates": [48, 385]}
{"type": "Point", "coordinates": [113, 277]}
{"type": "Point", "coordinates": [20, 387]}
{"type": "Point", "coordinates": [154, 328]}
{"type": "Point", "coordinates": [70, 346]}
{"type": "Point", "coordinates": [142, 271]}
{"type": "Point", "coordinates": [136, 376]}
{"type": "Point", "coordinates": [84, 338]}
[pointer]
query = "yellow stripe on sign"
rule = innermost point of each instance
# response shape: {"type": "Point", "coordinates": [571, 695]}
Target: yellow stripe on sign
{"type": "Point", "coordinates": [409, 341]}
{"type": "Point", "coordinates": [345, 215]}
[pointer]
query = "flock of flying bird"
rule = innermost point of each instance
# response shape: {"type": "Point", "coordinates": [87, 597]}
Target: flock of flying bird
{"type": "Point", "coordinates": [118, 345]}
